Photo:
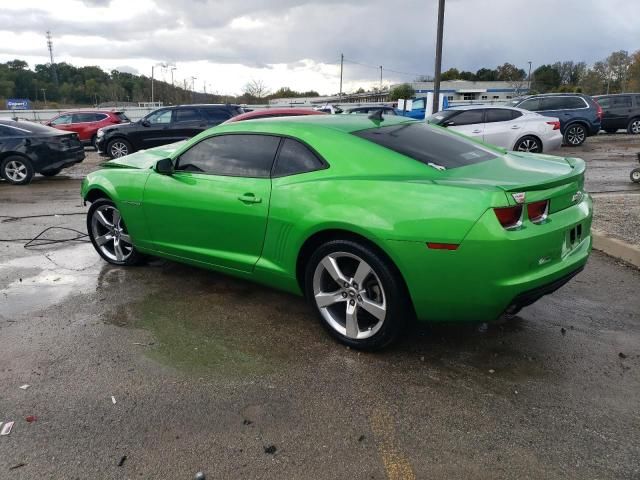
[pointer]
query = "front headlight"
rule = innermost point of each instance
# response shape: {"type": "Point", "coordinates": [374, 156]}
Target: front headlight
{"type": "Point", "coordinates": [100, 132]}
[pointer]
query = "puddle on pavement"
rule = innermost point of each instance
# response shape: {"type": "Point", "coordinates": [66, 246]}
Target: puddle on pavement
{"type": "Point", "coordinates": [203, 321]}
{"type": "Point", "coordinates": [45, 279]}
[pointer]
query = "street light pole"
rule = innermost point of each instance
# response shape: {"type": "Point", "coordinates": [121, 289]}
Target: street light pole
{"type": "Point", "coordinates": [193, 89]}
{"type": "Point", "coordinates": [529, 88]}
{"type": "Point", "coordinates": [380, 77]}
{"type": "Point", "coordinates": [44, 94]}
{"type": "Point", "coordinates": [341, 68]}
{"type": "Point", "coordinates": [152, 67]}
{"type": "Point", "coordinates": [438, 66]}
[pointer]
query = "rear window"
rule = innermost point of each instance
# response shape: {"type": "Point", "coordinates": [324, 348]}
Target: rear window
{"type": "Point", "coordinates": [33, 128]}
{"type": "Point", "coordinates": [428, 145]}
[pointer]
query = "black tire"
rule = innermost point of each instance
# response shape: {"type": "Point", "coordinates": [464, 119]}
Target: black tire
{"type": "Point", "coordinates": [51, 173]}
{"type": "Point", "coordinates": [528, 143]}
{"type": "Point", "coordinates": [634, 126]}
{"type": "Point", "coordinates": [17, 170]}
{"type": "Point", "coordinates": [117, 147]}
{"type": "Point", "coordinates": [384, 279]}
{"type": "Point", "coordinates": [575, 134]}
{"type": "Point", "coordinates": [635, 175]}
{"type": "Point", "coordinates": [131, 255]}
{"type": "Point", "coordinates": [611, 130]}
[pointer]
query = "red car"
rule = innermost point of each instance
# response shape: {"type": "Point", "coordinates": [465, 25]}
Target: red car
{"type": "Point", "coordinates": [274, 112]}
{"type": "Point", "coordinates": [87, 122]}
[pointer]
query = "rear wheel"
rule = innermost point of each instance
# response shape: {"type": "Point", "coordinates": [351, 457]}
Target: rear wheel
{"type": "Point", "coordinates": [109, 234]}
{"type": "Point", "coordinates": [357, 294]}
{"type": "Point", "coordinates": [118, 147]}
{"type": "Point", "coordinates": [575, 135]}
{"type": "Point", "coordinates": [635, 175]}
{"type": "Point", "coordinates": [634, 126]}
{"type": "Point", "coordinates": [528, 143]}
{"type": "Point", "coordinates": [16, 170]}
{"type": "Point", "coordinates": [51, 173]}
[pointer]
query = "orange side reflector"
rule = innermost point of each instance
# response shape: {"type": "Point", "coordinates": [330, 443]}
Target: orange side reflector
{"type": "Point", "coordinates": [443, 246]}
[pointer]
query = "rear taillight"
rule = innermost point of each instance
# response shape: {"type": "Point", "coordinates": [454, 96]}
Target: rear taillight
{"type": "Point", "coordinates": [509, 217]}
{"type": "Point", "coordinates": [598, 111]}
{"type": "Point", "coordinates": [556, 125]}
{"type": "Point", "coordinates": [538, 211]}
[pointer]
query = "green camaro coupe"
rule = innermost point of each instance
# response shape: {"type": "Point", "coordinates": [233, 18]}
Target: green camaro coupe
{"type": "Point", "coordinates": [376, 221]}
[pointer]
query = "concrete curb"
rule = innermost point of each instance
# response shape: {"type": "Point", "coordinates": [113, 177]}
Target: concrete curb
{"type": "Point", "coordinates": [616, 248]}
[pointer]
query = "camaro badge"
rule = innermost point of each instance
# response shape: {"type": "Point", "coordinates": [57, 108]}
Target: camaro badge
{"type": "Point", "coordinates": [577, 196]}
{"type": "Point", "coordinates": [519, 197]}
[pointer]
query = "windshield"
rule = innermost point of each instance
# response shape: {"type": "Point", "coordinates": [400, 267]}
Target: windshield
{"type": "Point", "coordinates": [430, 145]}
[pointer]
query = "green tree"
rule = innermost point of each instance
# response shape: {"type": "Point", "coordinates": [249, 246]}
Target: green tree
{"type": "Point", "coordinates": [405, 91]}
{"type": "Point", "coordinates": [546, 78]}
{"type": "Point", "coordinates": [486, 75]}
{"type": "Point", "coordinates": [508, 72]}
{"type": "Point", "coordinates": [451, 74]}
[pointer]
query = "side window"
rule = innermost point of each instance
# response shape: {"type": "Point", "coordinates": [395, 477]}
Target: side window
{"type": "Point", "coordinates": [83, 117]}
{"type": "Point", "coordinates": [622, 102]}
{"type": "Point", "coordinates": [532, 104]}
{"type": "Point", "coordinates": [216, 115]}
{"type": "Point", "coordinates": [498, 115]}
{"type": "Point", "coordinates": [62, 120]}
{"type": "Point", "coordinates": [100, 117]}
{"type": "Point", "coordinates": [468, 117]}
{"type": "Point", "coordinates": [231, 155]}
{"type": "Point", "coordinates": [295, 158]}
{"type": "Point", "coordinates": [554, 103]}
{"type": "Point", "coordinates": [159, 117]}
{"type": "Point", "coordinates": [604, 102]}
{"type": "Point", "coordinates": [187, 115]}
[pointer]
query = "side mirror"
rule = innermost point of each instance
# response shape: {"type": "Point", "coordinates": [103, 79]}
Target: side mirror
{"type": "Point", "coordinates": [164, 166]}
{"type": "Point", "coordinates": [144, 123]}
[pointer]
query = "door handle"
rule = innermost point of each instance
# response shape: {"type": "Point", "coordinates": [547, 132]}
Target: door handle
{"type": "Point", "coordinates": [476, 131]}
{"type": "Point", "coordinates": [515, 127]}
{"type": "Point", "coordinates": [249, 198]}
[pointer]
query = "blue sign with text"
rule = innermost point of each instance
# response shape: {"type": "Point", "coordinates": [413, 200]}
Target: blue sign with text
{"type": "Point", "coordinates": [17, 104]}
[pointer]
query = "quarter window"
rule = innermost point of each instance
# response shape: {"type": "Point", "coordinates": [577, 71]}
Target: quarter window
{"type": "Point", "coordinates": [231, 155]}
{"type": "Point", "coordinates": [294, 157]}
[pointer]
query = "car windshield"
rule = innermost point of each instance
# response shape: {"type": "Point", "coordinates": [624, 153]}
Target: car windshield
{"type": "Point", "coordinates": [123, 118]}
{"type": "Point", "coordinates": [429, 145]}
{"type": "Point", "coordinates": [514, 102]}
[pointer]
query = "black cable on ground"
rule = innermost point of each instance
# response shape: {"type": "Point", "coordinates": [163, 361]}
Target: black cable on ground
{"type": "Point", "coordinates": [9, 218]}
{"type": "Point", "coordinates": [38, 241]}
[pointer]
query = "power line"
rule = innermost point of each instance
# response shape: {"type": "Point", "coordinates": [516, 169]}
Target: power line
{"type": "Point", "coordinates": [410, 74]}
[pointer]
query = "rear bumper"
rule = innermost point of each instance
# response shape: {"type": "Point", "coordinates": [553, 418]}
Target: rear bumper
{"type": "Point", "coordinates": [553, 142]}
{"type": "Point", "coordinates": [494, 270]}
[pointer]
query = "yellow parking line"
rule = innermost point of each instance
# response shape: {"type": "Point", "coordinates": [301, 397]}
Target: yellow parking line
{"type": "Point", "coordinates": [396, 465]}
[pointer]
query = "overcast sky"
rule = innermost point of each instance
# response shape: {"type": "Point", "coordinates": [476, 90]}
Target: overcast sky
{"type": "Point", "coordinates": [297, 43]}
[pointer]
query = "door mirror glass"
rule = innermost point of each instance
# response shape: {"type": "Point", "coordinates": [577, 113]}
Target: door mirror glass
{"type": "Point", "coordinates": [164, 166]}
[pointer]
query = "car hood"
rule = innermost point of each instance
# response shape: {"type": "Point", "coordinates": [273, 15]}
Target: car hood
{"type": "Point", "coordinates": [144, 159]}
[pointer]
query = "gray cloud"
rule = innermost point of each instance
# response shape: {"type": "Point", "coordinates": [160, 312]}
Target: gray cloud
{"type": "Point", "coordinates": [399, 35]}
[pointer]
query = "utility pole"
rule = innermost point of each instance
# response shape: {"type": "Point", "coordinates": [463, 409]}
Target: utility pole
{"type": "Point", "coordinates": [341, 69]}
{"type": "Point", "coordinates": [152, 67]}
{"type": "Point", "coordinates": [381, 78]}
{"type": "Point", "coordinates": [529, 88]}
{"type": "Point", "coordinates": [44, 94]}
{"type": "Point", "coordinates": [193, 89]}
{"type": "Point", "coordinates": [438, 67]}
{"type": "Point", "coordinates": [53, 65]}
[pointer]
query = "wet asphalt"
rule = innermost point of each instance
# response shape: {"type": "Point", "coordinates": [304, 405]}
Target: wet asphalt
{"type": "Point", "coordinates": [219, 375]}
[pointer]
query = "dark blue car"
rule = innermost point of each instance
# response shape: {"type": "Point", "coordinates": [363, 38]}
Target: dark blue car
{"type": "Point", "coordinates": [579, 115]}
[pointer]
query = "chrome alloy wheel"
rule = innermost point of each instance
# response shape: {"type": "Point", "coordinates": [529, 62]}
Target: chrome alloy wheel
{"type": "Point", "coordinates": [349, 295]}
{"type": "Point", "coordinates": [576, 135]}
{"type": "Point", "coordinates": [528, 145]}
{"type": "Point", "coordinates": [110, 234]}
{"type": "Point", "coordinates": [119, 149]}
{"type": "Point", "coordinates": [16, 171]}
{"type": "Point", "coordinates": [635, 127]}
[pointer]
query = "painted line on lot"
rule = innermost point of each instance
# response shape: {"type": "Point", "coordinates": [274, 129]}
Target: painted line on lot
{"type": "Point", "coordinates": [395, 463]}
{"type": "Point", "coordinates": [616, 248]}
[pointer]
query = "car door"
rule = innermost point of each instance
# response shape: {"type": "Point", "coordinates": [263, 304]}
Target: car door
{"type": "Point", "coordinates": [500, 127]}
{"type": "Point", "coordinates": [620, 111]}
{"type": "Point", "coordinates": [213, 209]}
{"type": "Point", "coordinates": [82, 124]}
{"type": "Point", "coordinates": [470, 122]}
{"type": "Point", "coordinates": [187, 122]}
{"type": "Point", "coordinates": [155, 129]}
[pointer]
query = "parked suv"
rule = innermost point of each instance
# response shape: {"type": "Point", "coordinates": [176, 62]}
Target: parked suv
{"type": "Point", "coordinates": [86, 123]}
{"type": "Point", "coordinates": [162, 126]}
{"type": "Point", "coordinates": [579, 115]}
{"type": "Point", "coordinates": [620, 111]}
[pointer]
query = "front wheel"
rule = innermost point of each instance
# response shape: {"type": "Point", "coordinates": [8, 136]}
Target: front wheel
{"type": "Point", "coordinates": [16, 170]}
{"type": "Point", "coordinates": [109, 234]}
{"type": "Point", "coordinates": [575, 135]}
{"type": "Point", "coordinates": [635, 175]}
{"type": "Point", "coordinates": [359, 296]}
{"type": "Point", "coordinates": [118, 147]}
{"type": "Point", "coordinates": [528, 144]}
{"type": "Point", "coordinates": [634, 126]}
